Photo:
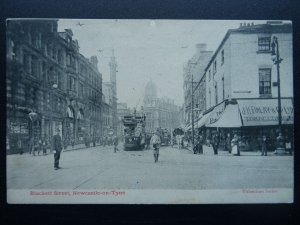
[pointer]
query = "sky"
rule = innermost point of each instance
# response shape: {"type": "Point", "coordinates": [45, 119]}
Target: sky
{"type": "Point", "coordinates": [146, 50]}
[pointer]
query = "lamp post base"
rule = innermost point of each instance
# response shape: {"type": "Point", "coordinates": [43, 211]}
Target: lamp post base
{"type": "Point", "coordinates": [280, 151]}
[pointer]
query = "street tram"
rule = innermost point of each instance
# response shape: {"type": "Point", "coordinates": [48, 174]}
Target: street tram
{"type": "Point", "coordinates": [165, 136]}
{"type": "Point", "coordinates": [134, 132]}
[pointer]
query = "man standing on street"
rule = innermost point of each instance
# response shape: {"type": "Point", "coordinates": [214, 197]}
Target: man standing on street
{"type": "Point", "coordinates": [155, 141]}
{"type": "Point", "coordinates": [57, 147]}
{"type": "Point", "coordinates": [215, 143]}
{"type": "Point", "coordinates": [116, 142]}
{"type": "Point", "coordinates": [264, 146]}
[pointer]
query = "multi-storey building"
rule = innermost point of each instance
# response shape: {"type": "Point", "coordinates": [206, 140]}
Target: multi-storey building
{"type": "Point", "coordinates": [122, 110]}
{"type": "Point", "coordinates": [159, 112]}
{"type": "Point", "coordinates": [113, 80]}
{"type": "Point", "coordinates": [48, 77]}
{"type": "Point", "coordinates": [193, 75]}
{"type": "Point", "coordinates": [107, 119]}
{"type": "Point", "coordinates": [110, 93]}
{"type": "Point", "coordinates": [242, 84]}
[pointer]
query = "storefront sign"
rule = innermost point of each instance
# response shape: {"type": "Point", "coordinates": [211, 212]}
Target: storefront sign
{"type": "Point", "coordinates": [216, 113]}
{"type": "Point", "coordinates": [264, 112]}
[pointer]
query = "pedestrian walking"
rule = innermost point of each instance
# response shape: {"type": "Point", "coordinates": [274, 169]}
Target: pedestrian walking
{"type": "Point", "coordinates": [72, 142]}
{"type": "Point", "coordinates": [39, 146]}
{"type": "Point", "coordinates": [264, 146]}
{"type": "Point", "coordinates": [57, 147]}
{"type": "Point", "coordinates": [94, 141]}
{"type": "Point", "coordinates": [31, 146]}
{"type": "Point", "coordinates": [215, 143]}
{"type": "Point", "coordinates": [148, 138]}
{"type": "Point", "coordinates": [235, 145]}
{"type": "Point", "coordinates": [104, 141]}
{"type": "Point", "coordinates": [200, 144]}
{"type": "Point", "coordinates": [228, 143]}
{"type": "Point", "coordinates": [44, 146]}
{"type": "Point", "coordinates": [19, 144]}
{"type": "Point", "coordinates": [178, 140]}
{"type": "Point", "coordinates": [155, 142]}
{"type": "Point", "coordinates": [116, 142]}
{"type": "Point", "coordinates": [35, 147]}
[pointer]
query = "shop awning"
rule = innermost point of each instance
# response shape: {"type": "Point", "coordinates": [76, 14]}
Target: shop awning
{"type": "Point", "coordinates": [230, 118]}
{"type": "Point", "coordinates": [188, 127]}
{"type": "Point", "coordinates": [203, 120]}
{"type": "Point", "coordinates": [264, 112]}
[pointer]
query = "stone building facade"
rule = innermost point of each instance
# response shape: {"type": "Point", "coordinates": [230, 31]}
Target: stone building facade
{"type": "Point", "coordinates": [159, 112]}
{"type": "Point", "coordinates": [47, 75]}
{"type": "Point", "coordinates": [195, 69]}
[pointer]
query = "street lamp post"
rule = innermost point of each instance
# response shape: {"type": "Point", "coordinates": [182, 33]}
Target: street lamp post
{"type": "Point", "coordinates": [33, 117]}
{"type": "Point", "coordinates": [193, 119]}
{"type": "Point", "coordinates": [192, 105]}
{"type": "Point", "coordinates": [53, 87]}
{"type": "Point", "coordinates": [277, 60]}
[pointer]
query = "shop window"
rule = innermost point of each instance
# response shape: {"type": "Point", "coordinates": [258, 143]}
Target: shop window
{"type": "Point", "coordinates": [264, 44]}
{"type": "Point", "coordinates": [265, 81]}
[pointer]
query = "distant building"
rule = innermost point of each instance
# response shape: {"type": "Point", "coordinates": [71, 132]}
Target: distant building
{"type": "Point", "coordinates": [195, 69]}
{"type": "Point", "coordinates": [113, 80]}
{"type": "Point", "coordinates": [107, 119]}
{"type": "Point", "coordinates": [160, 112]}
{"type": "Point", "coordinates": [110, 93]}
{"type": "Point", "coordinates": [122, 110]}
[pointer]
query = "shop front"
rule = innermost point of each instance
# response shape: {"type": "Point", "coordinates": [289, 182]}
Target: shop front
{"type": "Point", "coordinates": [18, 133]}
{"type": "Point", "coordinates": [80, 127]}
{"type": "Point", "coordinates": [251, 119]}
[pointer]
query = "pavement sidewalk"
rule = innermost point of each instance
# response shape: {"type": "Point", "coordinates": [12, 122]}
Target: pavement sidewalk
{"type": "Point", "coordinates": [69, 148]}
{"type": "Point", "coordinates": [208, 150]}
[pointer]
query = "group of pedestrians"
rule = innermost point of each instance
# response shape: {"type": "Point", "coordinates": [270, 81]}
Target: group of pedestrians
{"type": "Point", "coordinates": [231, 145]}
{"type": "Point", "coordinates": [37, 146]}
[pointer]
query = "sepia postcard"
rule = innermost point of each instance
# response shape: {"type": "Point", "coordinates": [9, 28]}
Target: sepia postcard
{"type": "Point", "coordinates": [149, 111]}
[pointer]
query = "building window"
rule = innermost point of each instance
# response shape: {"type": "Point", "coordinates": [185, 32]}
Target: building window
{"type": "Point", "coordinates": [215, 67]}
{"type": "Point", "coordinates": [209, 75]}
{"type": "Point", "coordinates": [59, 80]}
{"type": "Point", "coordinates": [209, 98]}
{"type": "Point", "coordinates": [264, 43]}
{"type": "Point", "coordinates": [27, 63]}
{"type": "Point", "coordinates": [223, 88]}
{"type": "Point", "coordinates": [71, 83]}
{"type": "Point", "coordinates": [216, 93]}
{"type": "Point", "coordinates": [265, 81]}
{"type": "Point", "coordinates": [222, 57]}
{"type": "Point", "coordinates": [68, 60]}
{"type": "Point", "coordinates": [60, 57]}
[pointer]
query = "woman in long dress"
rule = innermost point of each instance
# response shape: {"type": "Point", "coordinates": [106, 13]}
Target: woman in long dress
{"type": "Point", "coordinates": [235, 145]}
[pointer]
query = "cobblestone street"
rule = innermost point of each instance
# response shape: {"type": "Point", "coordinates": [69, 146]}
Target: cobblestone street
{"type": "Point", "coordinates": [100, 168]}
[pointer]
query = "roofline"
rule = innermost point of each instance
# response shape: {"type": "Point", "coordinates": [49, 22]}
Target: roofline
{"type": "Point", "coordinates": [259, 28]}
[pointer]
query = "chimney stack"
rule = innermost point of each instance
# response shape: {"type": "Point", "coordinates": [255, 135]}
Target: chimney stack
{"type": "Point", "coordinates": [201, 47]}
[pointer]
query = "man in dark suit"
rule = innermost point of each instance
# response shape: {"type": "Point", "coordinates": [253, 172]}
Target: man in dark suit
{"type": "Point", "coordinates": [215, 143]}
{"type": "Point", "coordinates": [57, 147]}
{"type": "Point", "coordinates": [264, 146]}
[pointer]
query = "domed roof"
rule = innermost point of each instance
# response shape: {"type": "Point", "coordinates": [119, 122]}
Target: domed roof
{"type": "Point", "coordinates": [150, 90]}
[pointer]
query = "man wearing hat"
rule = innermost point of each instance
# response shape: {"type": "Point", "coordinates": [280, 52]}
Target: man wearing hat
{"type": "Point", "coordinates": [57, 147]}
{"type": "Point", "coordinates": [155, 141]}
